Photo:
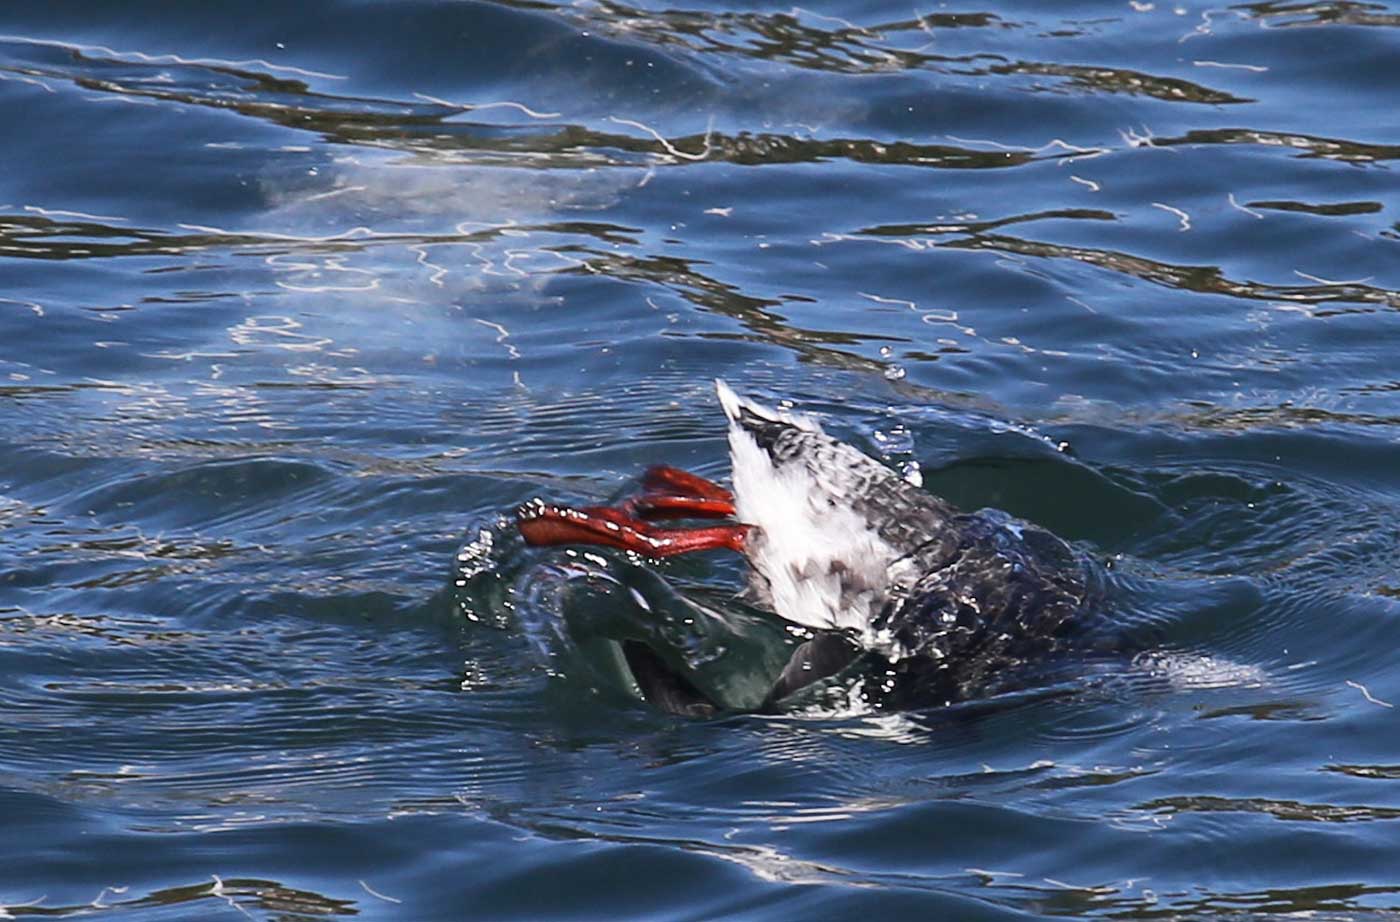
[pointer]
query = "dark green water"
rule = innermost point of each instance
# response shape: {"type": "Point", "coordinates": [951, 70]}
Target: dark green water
{"type": "Point", "coordinates": [297, 299]}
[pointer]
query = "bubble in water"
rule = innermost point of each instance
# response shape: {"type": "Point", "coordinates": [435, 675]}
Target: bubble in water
{"type": "Point", "coordinates": [896, 447]}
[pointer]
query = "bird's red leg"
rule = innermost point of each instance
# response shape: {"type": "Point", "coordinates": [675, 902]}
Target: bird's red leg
{"type": "Point", "coordinates": [667, 492]}
{"type": "Point", "coordinates": [663, 478]}
{"type": "Point", "coordinates": [545, 524]}
{"type": "Point", "coordinates": [671, 493]}
{"type": "Point", "coordinates": [668, 506]}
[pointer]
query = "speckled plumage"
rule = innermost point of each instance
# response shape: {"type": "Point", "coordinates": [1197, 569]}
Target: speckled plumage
{"type": "Point", "coordinates": [953, 600]}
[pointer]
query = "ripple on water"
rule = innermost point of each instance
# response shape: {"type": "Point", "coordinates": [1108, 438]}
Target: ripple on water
{"type": "Point", "coordinates": [1127, 272]}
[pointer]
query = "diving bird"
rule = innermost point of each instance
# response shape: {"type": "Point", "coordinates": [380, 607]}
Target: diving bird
{"type": "Point", "coordinates": [946, 604]}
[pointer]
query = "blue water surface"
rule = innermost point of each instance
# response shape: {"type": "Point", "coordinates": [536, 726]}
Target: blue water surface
{"type": "Point", "coordinates": [299, 301]}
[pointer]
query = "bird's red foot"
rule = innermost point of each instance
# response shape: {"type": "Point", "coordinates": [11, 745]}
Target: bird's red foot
{"type": "Point", "coordinates": [671, 493]}
{"type": "Point", "coordinates": [662, 478]}
{"type": "Point", "coordinates": [547, 524]}
{"type": "Point", "coordinates": [667, 493]}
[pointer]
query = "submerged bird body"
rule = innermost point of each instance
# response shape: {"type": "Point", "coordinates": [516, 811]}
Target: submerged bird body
{"type": "Point", "coordinates": [842, 545]}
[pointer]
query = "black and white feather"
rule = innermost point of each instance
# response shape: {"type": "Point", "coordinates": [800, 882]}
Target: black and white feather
{"type": "Point", "coordinates": [837, 534]}
{"type": "Point", "coordinates": [843, 543]}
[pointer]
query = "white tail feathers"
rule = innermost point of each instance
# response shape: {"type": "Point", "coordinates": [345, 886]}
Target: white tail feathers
{"type": "Point", "coordinates": [734, 406]}
{"type": "Point", "coordinates": [818, 562]}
